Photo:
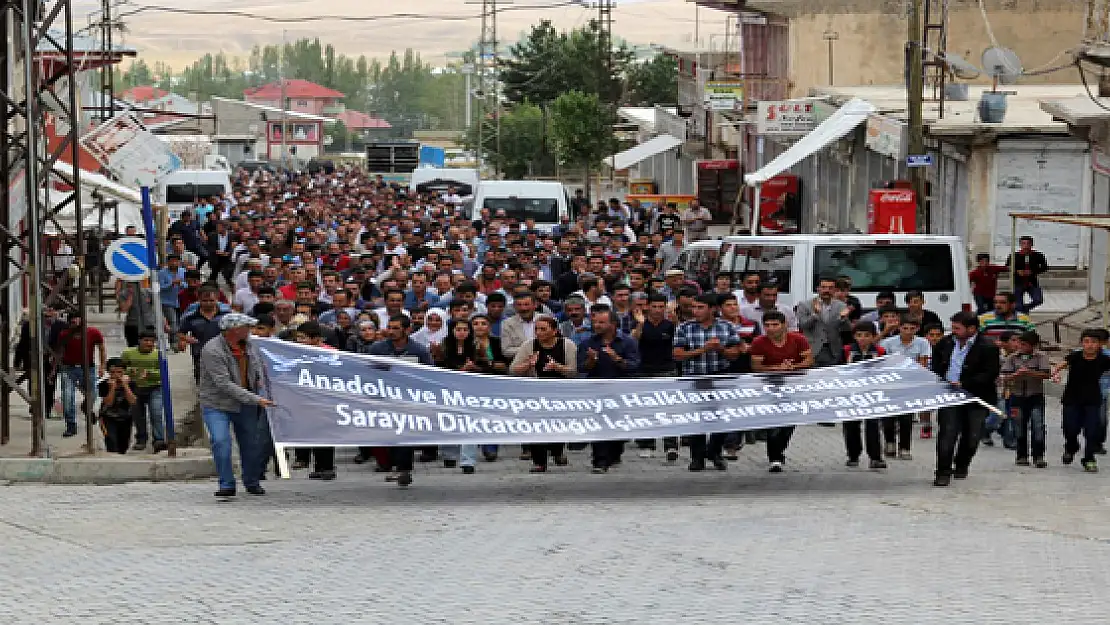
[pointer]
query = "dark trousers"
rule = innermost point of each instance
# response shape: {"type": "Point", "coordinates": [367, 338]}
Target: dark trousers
{"type": "Point", "coordinates": [960, 427]}
{"type": "Point", "coordinates": [778, 440]}
{"type": "Point", "coordinates": [899, 430]}
{"type": "Point", "coordinates": [379, 454]}
{"type": "Point", "coordinates": [540, 452]}
{"type": "Point", "coordinates": [1085, 420]}
{"type": "Point", "coordinates": [117, 434]}
{"type": "Point", "coordinates": [1028, 422]}
{"type": "Point", "coordinates": [401, 458]}
{"type": "Point", "coordinates": [702, 446]}
{"type": "Point", "coordinates": [855, 444]}
{"type": "Point", "coordinates": [607, 453]}
{"type": "Point", "coordinates": [131, 335]}
{"type": "Point", "coordinates": [323, 458]}
{"type": "Point", "coordinates": [139, 415]}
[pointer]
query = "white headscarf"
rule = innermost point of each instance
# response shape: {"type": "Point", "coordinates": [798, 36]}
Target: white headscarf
{"type": "Point", "coordinates": [425, 337]}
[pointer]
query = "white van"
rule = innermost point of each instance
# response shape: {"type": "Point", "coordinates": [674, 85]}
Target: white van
{"type": "Point", "coordinates": [436, 179]}
{"type": "Point", "coordinates": [934, 265]}
{"type": "Point", "coordinates": [184, 187]}
{"type": "Point", "coordinates": [546, 202]}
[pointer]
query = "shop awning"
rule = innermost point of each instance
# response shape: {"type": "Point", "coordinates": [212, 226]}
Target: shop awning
{"type": "Point", "coordinates": [1086, 221]}
{"type": "Point", "coordinates": [646, 150]}
{"type": "Point", "coordinates": [840, 123]}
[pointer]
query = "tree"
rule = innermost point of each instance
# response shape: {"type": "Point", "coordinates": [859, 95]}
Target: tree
{"type": "Point", "coordinates": [582, 128]}
{"type": "Point", "coordinates": [654, 81]}
{"type": "Point", "coordinates": [522, 133]}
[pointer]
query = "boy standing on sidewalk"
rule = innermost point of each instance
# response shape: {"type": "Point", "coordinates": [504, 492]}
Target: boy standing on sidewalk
{"type": "Point", "coordinates": [1024, 372]}
{"type": "Point", "coordinates": [1082, 398]}
{"type": "Point", "coordinates": [864, 348]}
{"type": "Point", "coordinates": [898, 431]}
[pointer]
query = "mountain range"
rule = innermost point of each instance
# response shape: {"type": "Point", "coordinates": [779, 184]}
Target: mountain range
{"type": "Point", "coordinates": [443, 27]}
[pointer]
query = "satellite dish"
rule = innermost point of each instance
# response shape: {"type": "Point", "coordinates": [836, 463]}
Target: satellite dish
{"type": "Point", "coordinates": [960, 67]}
{"type": "Point", "coordinates": [1002, 64]}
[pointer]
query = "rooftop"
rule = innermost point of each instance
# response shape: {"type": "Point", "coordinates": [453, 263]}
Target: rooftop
{"type": "Point", "coordinates": [142, 94]}
{"type": "Point", "coordinates": [274, 109]}
{"type": "Point", "coordinates": [1024, 114]}
{"type": "Point", "coordinates": [358, 120]}
{"type": "Point", "coordinates": [294, 88]}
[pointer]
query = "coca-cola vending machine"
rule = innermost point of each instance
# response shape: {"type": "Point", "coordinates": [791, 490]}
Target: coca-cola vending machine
{"type": "Point", "coordinates": [892, 211]}
{"type": "Point", "coordinates": [780, 205]}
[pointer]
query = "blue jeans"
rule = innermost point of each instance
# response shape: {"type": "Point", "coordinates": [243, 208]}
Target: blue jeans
{"type": "Point", "coordinates": [71, 381]}
{"type": "Point", "coordinates": [983, 304]}
{"type": "Point", "coordinates": [1029, 424]}
{"type": "Point", "coordinates": [264, 445]}
{"type": "Point", "coordinates": [489, 449]}
{"type": "Point", "coordinates": [1036, 297]}
{"type": "Point", "coordinates": [149, 402]}
{"type": "Point", "coordinates": [245, 423]}
{"type": "Point", "coordinates": [1085, 420]}
{"type": "Point", "coordinates": [467, 455]}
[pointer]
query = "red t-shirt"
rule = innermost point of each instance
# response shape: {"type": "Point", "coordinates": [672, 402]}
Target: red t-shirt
{"type": "Point", "coordinates": [70, 342]}
{"type": "Point", "coordinates": [774, 355]}
{"type": "Point", "coordinates": [288, 291]}
{"type": "Point", "coordinates": [984, 281]}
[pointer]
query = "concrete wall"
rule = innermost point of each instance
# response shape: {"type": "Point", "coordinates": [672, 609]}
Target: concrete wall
{"type": "Point", "coordinates": [980, 199]}
{"type": "Point", "coordinates": [233, 118]}
{"type": "Point", "coordinates": [871, 44]}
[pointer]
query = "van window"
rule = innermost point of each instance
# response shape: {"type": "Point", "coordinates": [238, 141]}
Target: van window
{"type": "Point", "coordinates": [882, 267]}
{"type": "Point", "coordinates": [701, 266]}
{"type": "Point", "coordinates": [189, 193]}
{"type": "Point", "coordinates": [773, 262]}
{"type": "Point", "coordinates": [542, 209]}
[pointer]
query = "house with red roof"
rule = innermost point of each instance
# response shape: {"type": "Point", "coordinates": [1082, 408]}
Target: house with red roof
{"type": "Point", "coordinates": [142, 94]}
{"type": "Point", "coordinates": [301, 96]}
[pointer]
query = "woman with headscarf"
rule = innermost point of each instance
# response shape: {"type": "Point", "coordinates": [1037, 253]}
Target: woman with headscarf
{"type": "Point", "coordinates": [433, 332]}
{"type": "Point", "coordinates": [489, 358]}
{"type": "Point", "coordinates": [359, 343]}
{"type": "Point", "coordinates": [343, 330]}
{"type": "Point", "coordinates": [459, 355]}
{"type": "Point", "coordinates": [549, 356]}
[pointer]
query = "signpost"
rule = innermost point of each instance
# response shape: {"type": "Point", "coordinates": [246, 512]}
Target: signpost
{"type": "Point", "coordinates": [724, 95]}
{"type": "Point", "coordinates": [919, 160]}
{"type": "Point", "coordinates": [126, 148]}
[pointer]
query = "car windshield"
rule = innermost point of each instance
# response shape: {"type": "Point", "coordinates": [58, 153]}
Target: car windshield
{"type": "Point", "coordinates": [542, 209]}
{"type": "Point", "coordinates": [887, 267]}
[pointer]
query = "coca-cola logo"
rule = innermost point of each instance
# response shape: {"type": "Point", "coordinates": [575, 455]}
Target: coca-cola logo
{"type": "Point", "coordinates": [896, 196]}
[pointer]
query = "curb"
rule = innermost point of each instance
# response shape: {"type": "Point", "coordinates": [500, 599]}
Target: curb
{"type": "Point", "coordinates": [105, 469]}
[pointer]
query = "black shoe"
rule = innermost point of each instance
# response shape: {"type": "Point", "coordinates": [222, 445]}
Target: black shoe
{"type": "Point", "coordinates": [468, 470]}
{"type": "Point", "coordinates": [404, 479]}
{"type": "Point", "coordinates": [697, 465]}
{"type": "Point", "coordinates": [942, 480]}
{"type": "Point", "coordinates": [749, 438]}
{"type": "Point", "coordinates": [361, 459]}
{"type": "Point", "coordinates": [68, 433]}
{"type": "Point", "coordinates": [1040, 463]}
{"type": "Point", "coordinates": [719, 463]}
{"type": "Point", "coordinates": [225, 492]}
{"type": "Point", "coordinates": [561, 461]}
{"type": "Point", "coordinates": [450, 464]}
{"type": "Point", "coordinates": [489, 456]}
{"type": "Point", "coordinates": [538, 469]}
{"type": "Point", "coordinates": [960, 473]}
{"type": "Point", "coordinates": [1022, 461]}
{"type": "Point", "coordinates": [730, 454]}
{"type": "Point", "coordinates": [852, 462]}
{"type": "Point", "coordinates": [599, 469]}
{"type": "Point", "coordinates": [158, 446]}
{"type": "Point", "coordinates": [672, 455]}
{"type": "Point", "coordinates": [322, 475]}
{"type": "Point", "coordinates": [827, 425]}
{"type": "Point", "coordinates": [877, 464]}
{"type": "Point", "coordinates": [256, 490]}
{"type": "Point", "coordinates": [1067, 458]}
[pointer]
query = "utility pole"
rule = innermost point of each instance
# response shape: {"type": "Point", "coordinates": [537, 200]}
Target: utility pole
{"type": "Point", "coordinates": [107, 105]}
{"type": "Point", "coordinates": [496, 86]}
{"type": "Point", "coordinates": [284, 104]}
{"type": "Point", "coordinates": [915, 93]}
{"type": "Point", "coordinates": [605, 48]}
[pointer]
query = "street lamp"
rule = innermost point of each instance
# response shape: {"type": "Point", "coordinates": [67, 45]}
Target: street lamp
{"type": "Point", "coordinates": [830, 36]}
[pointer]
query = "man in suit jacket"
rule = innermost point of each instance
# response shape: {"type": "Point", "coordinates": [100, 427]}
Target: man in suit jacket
{"type": "Point", "coordinates": [519, 328]}
{"type": "Point", "coordinates": [220, 244]}
{"type": "Point", "coordinates": [568, 282]}
{"type": "Point", "coordinates": [822, 320]}
{"type": "Point", "coordinates": [971, 362]}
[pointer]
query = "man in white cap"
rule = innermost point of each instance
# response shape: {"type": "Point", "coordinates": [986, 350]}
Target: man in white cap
{"type": "Point", "coordinates": [231, 380]}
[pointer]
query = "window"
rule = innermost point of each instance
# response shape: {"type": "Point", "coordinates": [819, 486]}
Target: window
{"type": "Point", "coordinates": [189, 193]}
{"type": "Point", "coordinates": [544, 210]}
{"type": "Point", "coordinates": [887, 267]}
{"type": "Point", "coordinates": [773, 262]}
{"type": "Point", "coordinates": [302, 103]}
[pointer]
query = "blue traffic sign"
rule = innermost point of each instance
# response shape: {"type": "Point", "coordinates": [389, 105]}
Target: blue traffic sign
{"type": "Point", "coordinates": [128, 259]}
{"type": "Point", "coordinates": [919, 160]}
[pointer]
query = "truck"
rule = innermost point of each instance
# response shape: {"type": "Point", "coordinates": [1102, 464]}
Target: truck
{"type": "Point", "coordinates": [196, 152]}
{"type": "Point", "coordinates": [394, 161]}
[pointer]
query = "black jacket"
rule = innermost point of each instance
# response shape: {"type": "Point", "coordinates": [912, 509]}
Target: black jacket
{"type": "Point", "coordinates": [979, 375]}
{"type": "Point", "coordinates": [1034, 261]}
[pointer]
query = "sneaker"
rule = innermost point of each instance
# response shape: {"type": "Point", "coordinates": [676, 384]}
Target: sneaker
{"type": "Point", "coordinates": [672, 456]}
{"type": "Point", "coordinates": [1022, 461]}
{"type": "Point", "coordinates": [404, 479]}
{"type": "Point", "coordinates": [852, 462]}
{"type": "Point", "coordinates": [1090, 466]}
{"type": "Point", "coordinates": [225, 492]}
{"type": "Point", "coordinates": [942, 480]}
{"type": "Point", "coordinates": [158, 446]}
{"type": "Point", "coordinates": [646, 453]}
{"type": "Point", "coordinates": [1040, 463]}
{"type": "Point", "coordinates": [68, 433]}
{"type": "Point", "coordinates": [776, 467]}
{"type": "Point", "coordinates": [256, 490]}
{"type": "Point", "coordinates": [926, 431]}
{"type": "Point", "coordinates": [1067, 458]}
{"type": "Point", "coordinates": [877, 464]}
{"type": "Point", "coordinates": [891, 450]}
{"type": "Point", "coordinates": [960, 473]}
{"type": "Point", "coordinates": [904, 454]}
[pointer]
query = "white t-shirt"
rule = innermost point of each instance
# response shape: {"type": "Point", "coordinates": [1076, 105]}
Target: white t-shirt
{"type": "Point", "coordinates": [917, 349]}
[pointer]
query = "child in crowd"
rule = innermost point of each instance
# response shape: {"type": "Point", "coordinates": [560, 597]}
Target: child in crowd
{"type": "Point", "coordinates": [118, 394]}
{"type": "Point", "coordinates": [933, 333]}
{"type": "Point", "coordinates": [984, 282]}
{"type": "Point", "coordinates": [1023, 373]}
{"type": "Point", "coordinates": [898, 431]}
{"type": "Point", "coordinates": [1082, 398]}
{"type": "Point", "coordinates": [1104, 386]}
{"type": "Point", "coordinates": [863, 348]}
{"type": "Point", "coordinates": [889, 321]}
{"type": "Point", "coordinates": [1007, 345]}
